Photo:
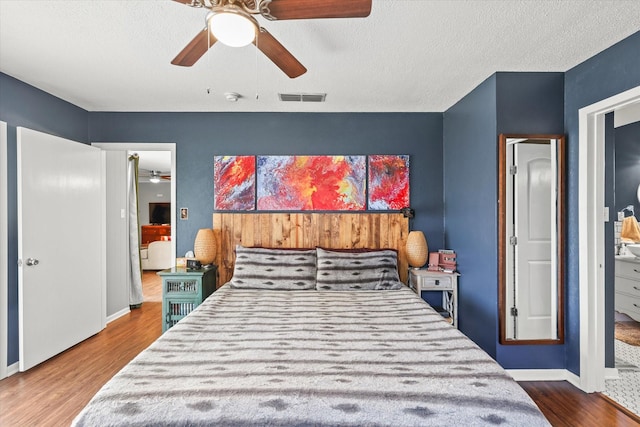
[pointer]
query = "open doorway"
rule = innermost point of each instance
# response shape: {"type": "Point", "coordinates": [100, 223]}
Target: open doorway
{"type": "Point", "coordinates": [155, 220]}
{"type": "Point", "coordinates": [592, 241]}
{"type": "Point", "coordinates": [157, 228]}
{"type": "Point", "coordinates": [622, 275]}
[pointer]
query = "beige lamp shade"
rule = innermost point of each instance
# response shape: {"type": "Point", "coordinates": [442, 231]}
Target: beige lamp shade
{"type": "Point", "coordinates": [417, 249]}
{"type": "Point", "coordinates": [204, 246]}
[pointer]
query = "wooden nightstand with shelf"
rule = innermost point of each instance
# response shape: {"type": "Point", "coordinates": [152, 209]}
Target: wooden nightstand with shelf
{"type": "Point", "coordinates": [183, 290]}
{"type": "Point", "coordinates": [431, 281]}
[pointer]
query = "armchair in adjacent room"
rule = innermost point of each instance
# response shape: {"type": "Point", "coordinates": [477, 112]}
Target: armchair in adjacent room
{"type": "Point", "coordinates": [157, 256]}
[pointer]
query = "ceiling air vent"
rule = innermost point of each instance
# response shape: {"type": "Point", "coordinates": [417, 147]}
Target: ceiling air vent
{"type": "Point", "coordinates": [302, 97]}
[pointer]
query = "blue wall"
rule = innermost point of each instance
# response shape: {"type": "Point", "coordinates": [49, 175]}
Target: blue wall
{"type": "Point", "coordinates": [505, 103]}
{"type": "Point", "coordinates": [530, 103]}
{"type": "Point", "coordinates": [470, 183]}
{"type": "Point", "coordinates": [612, 71]}
{"type": "Point", "coordinates": [26, 106]}
{"type": "Point", "coordinates": [200, 136]}
{"type": "Point", "coordinates": [627, 166]}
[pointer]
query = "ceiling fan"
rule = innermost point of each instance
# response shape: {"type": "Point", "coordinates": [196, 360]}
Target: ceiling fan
{"type": "Point", "coordinates": [154, 175]}
{"type": "Point", "coordinates": [236, 14]}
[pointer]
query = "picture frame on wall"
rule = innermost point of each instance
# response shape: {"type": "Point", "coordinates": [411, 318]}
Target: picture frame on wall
{"type": "Point", "coordinates": [388, 182]}
{"type": "Point", "coordinates": [234, 179]}
{"type": "Point", "coordinates": [326, 183]}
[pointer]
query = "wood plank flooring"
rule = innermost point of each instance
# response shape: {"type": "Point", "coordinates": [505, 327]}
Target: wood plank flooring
{"type": "Point", "coordinates": [52, 393]}
{"type": "Point", "coordinates": [565, 405]}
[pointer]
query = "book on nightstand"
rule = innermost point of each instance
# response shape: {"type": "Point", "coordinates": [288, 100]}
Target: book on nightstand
{"type": "Point", "coordinates": [447, 260]}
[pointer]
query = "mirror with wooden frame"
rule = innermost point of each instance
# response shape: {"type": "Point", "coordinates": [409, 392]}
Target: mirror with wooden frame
{"type": "Point", "coordinates": [531, 241]}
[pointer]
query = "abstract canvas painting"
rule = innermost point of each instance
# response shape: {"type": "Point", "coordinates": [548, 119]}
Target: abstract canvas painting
{"type": "Point", "coordinates": [331, 183]}
{"type": "Point", "coordinates": [234, 180]}
{"type": "Point", "coordinates": [388, 182]}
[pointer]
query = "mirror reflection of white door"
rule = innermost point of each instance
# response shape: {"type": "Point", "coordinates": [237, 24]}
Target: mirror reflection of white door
{"type": "Point", "coordinates": [60, 244]}
{"type": "Point", "coordinates": [535, 219]}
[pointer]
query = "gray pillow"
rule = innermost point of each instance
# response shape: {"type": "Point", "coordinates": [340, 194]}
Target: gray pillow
{"type": "Point", "coordinates": [278, 269]}
{"type": "Point", "coordinates": [348, 271]}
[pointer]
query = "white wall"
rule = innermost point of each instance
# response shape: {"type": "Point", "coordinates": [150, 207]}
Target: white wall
{"type": "Point", "coordinates": [152, 193]}
{"type": "Point", "coordinates": [117, 247]}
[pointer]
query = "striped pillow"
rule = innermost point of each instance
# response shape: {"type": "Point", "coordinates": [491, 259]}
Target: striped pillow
{"type": "Point", "coordinates": [348, 271]}
{"type": "Point", "coordinates": [281, 269]}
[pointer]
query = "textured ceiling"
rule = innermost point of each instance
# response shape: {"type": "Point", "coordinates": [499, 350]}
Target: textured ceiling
{"type": "Point", "coordinates": [408, 55]}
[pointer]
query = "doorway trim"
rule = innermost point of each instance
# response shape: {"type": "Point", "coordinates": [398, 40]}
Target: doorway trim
{"type": "Point", "coordinates": [4, 243]}
{"type": "Point", "coordinates": [591, 216]}
{"type": "Point", "coordinates": [152, 146]}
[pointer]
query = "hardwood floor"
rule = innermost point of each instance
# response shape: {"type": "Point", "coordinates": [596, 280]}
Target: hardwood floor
{"type": "Point", "coordinates": [151, 286]}
{"type": "Point", "coordinates": [565, 405]}
{"type": "Point", "coordinates": [52, 393]}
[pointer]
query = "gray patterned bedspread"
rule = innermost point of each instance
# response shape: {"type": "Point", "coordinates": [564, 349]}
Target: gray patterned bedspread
{"type": "Point", "coordinates": [312, 358]}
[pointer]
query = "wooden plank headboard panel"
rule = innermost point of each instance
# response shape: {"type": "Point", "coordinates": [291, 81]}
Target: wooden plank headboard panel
{"type": "Point", "coordinates": [309, 230]}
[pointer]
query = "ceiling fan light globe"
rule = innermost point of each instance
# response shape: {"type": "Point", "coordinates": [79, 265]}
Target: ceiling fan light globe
{"type": "Point", "coordinates": [232, 29]}
{"type": "Point", "coordinates": [154, 177]}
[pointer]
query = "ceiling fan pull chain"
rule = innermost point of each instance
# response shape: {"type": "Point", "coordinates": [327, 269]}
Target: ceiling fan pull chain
{"type": "Point", "coordinates": [209, 61]}
{"type": "Point", "coordinates": [257, 74]}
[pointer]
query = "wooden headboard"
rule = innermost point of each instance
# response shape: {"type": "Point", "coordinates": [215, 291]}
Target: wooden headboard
{"type": "Point", "coordinates": [308, 230]}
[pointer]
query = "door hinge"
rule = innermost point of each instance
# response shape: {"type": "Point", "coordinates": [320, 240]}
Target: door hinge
{"type": "Point", "coordinates": [513, 240]}
{"type": "Point", "coordinates": [514, 311]}
{"type": "Point", "coordinates": [513, 169]}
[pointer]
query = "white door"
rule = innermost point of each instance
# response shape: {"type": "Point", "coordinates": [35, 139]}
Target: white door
{"type": "Point", "coordinates": [534, 204]}
{"type": "Point", "coordinates": [60, 244]}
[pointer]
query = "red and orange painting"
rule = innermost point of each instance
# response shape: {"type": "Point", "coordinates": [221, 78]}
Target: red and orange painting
{"type": "Point", "coordinates": [234, 180]}
{"type": "Point", "coordinates": [331, 183]}
{"type": "Point", "coordinates": [388, 182]}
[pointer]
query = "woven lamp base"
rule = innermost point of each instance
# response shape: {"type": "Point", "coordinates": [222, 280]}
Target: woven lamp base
{"type": "Point", "coordinates": [204, 247]}
{"type": "Point", "coordinates": [417, 249]}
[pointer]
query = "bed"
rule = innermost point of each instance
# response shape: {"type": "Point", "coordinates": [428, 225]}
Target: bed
{"type": "Point", "coordinates": [312, 338]}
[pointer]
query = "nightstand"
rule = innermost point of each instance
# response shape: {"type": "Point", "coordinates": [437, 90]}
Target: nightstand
{"type": "Point", "coordinates": [183, 290]}
{"type": "Point", "coordinates": [447, 283]}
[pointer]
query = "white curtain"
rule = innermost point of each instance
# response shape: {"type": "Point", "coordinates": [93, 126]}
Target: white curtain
{"type": "Point", "coordinates": [135, 293]}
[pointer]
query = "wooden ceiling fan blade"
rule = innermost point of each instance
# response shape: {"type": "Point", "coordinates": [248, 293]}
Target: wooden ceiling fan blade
{"type": "Point", "coordinates": [278, 54]}
{"type": "Point", "coordinates": [311, 9]}
{"type": "Point", "coordinates": [195, 49]}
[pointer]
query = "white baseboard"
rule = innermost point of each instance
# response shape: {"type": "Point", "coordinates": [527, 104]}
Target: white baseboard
{"type": "Point", "coordinates": [13, 369]}
{"type": "Point", "coordinates": [538, 374]}
{"type": "Point", "coordinates": [118, 314]}
{"type": "Point", "coordinates": [545, 375]}
{"type": "Point", "coordinates": [611, 374]}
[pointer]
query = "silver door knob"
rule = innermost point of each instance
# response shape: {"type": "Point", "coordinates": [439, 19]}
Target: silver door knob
{"type": "Point", "coordinates": [32, 261]}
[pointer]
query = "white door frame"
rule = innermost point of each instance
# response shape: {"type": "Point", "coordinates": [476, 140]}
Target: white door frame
{"type": "Point", "coordinates": [152, 146]}
{"type": "Point", "coordinates": [4, 303]}
{"type": "Point", "coordinates": [591, 217]}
